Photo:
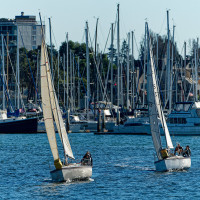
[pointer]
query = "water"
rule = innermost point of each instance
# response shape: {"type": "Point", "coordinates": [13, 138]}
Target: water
{"type": "Point", "coordinates": [123, 169]}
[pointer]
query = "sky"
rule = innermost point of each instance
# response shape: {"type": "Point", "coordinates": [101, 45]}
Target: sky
{"type": "Point", "coordinates": [71, 15]}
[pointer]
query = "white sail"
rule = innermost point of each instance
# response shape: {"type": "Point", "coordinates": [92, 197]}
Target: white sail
{"type": "Point", "coordinates": [153, 113]}
{"type": "Point", "coordinates": [155, 110]}
{"type": "Point", "coordinates": [46, 104]}
{"type": "Point", "coordinates": [157, 100]}
{"type": "Point", "coordinates": [57, 115]}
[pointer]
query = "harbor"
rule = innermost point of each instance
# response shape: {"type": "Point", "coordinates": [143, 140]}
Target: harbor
{"type": "Point", "coordinates": [114, 115]}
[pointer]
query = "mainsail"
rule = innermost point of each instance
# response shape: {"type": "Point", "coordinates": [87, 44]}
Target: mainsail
{"type": "Point", "coordinates": [154, 104]}
{"type": "Point", "coordinates": [157, 100]}
{"type": "Point", "coordinates": [46, 104]}
{"type": "Point", "coordinates": [57, 112]}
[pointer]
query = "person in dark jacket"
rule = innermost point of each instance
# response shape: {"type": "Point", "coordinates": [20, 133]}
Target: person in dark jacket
{"type": "Point", "coordinates": [178, 149]}
{"type": "Point", "coordinates": [87, 159]}
{"type": "Point", "coordinates": [187, 151]}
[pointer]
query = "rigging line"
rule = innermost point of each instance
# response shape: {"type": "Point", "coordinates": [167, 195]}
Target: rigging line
{"type": "Point", "coordinates": [162, 23]}
{"type": "Point", "coordinates": [54, 38]}
{"type": "Point", "coordinates": [22, 102]}
{"type": "Point", "coordinates": [29, 66]}
{"type": "Point", "coordinates": [107, 40]}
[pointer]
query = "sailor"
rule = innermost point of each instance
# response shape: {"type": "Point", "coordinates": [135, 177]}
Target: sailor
{"type": "Point", "coordinates": [178, 149]}
{"type": "Point", "coordinates": [187, 151]}
{"type": "Point", "coordinates": [87, 159]}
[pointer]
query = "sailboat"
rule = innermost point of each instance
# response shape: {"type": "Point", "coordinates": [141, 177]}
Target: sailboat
{"type": "Point", "coordinates": [51, 110]}
{"type": "Point", "coordinates": [166, 161]}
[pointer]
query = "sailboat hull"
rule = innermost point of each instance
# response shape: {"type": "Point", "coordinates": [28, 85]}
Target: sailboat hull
{"type": "Point", "coordinates": [173, 163]}
{"type": "Point", "coordinates": [17, 125]}
{"type": "Point", "coordinates": [72, 172]}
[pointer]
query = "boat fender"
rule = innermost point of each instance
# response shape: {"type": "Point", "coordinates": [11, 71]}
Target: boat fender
{"type": "Point", "coordinates": [58, 164]}
{"type": "Point", "coordinates": [164, 153]}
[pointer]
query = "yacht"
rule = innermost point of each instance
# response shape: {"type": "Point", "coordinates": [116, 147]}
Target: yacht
{"type": "Point", "coordinates": [137, 124]}
{"type": "Point", "coordinates": [184, 119]}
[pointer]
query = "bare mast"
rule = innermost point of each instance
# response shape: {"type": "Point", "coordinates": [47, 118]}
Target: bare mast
{"type": "Point", "coordinates": [88, 71]}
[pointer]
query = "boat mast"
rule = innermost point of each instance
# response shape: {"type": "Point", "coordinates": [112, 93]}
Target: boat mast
{"type": "Point", "coordinates": [3, 71]}
{"type": "Point", "coordinates": [18, 75]}
{"type": "Point", "coordinates": [58, 73]}
{"type": "Point", "coordinates": [145, 63]}
{"type": "Point", "coordinates": [88, 71]}
{"type": "Point", "coordinates": [74, 89]}
{"type": "Point", "coordinates": [157, 50]}
{"type": "Point", "coordinates": [78, 83]}
{"type": "Point", "coordinates": [112, 63]}
{"type": "Point", "coordinates": [71, 104]}
{"type": "Point", "coordinates": [118, 67]}
{"type": "Point", "coordinates": [171, 73]}
{"type": "Point", "coordinates": [37, 77]}
{"type": "Point", "coordinates": [184, 88]}
{"type": "Point", "coordinates": [168, 58]}
{"type": "Point", "coordinates": [64, 78]}
{"type": "Point", "coordinates": [51, 48]}
{"type": "Point", "coordinates": [67, 52]}
{"type": "Point", "coordinates": [127, 71]}
{"type": "Point", "coordinates": [133, 74]}
{"type": "Point", "coordinates": [195, 61]}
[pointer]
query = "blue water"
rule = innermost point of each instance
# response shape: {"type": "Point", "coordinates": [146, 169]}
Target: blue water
{"type": "Point", "coordinates": [123, 169]}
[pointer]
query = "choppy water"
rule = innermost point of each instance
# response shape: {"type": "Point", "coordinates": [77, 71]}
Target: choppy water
{"type": "Point", "coordinates": [123, 169]}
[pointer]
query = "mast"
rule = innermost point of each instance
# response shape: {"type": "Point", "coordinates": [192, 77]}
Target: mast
{"type": "Point", "coordinates": [71, 95]}
{"type": "Point", "coordinates": [196, 74]}
{"type": "Point", "coordinates": [58, 74]}
{"type": "Point", "coordinates": [64, 79]}
{"type": "Point", "coordinates": [88, 71]}
{"type": "Point", "coordinates": [157, 49]}
{"type": "Point", "coordinates": [3, 71]}
{"type": "Point", "coordinates": [171, 74]}
{"type": "Point", "coordinates": [168, 58]}
{"type": "Point", "coordinates": [78, 84]}
{"type": "Point", "coordinates": [145, 63]}
{"type": "Point", "coordinates": [51, 48]}
{"type": "Point", "coordinates": [37, 77]}
{"type": "Point", "coordinates": [112, 63]}
{"type": "Point", "coordinates": [127, 71]}
{"type": "Point", "coordinates": [176, 73]}
{"type": "Point", "coordinates": [96, 39]}
{"type": "Point", "coordinates": [67, 53]}
{"type": "Point", "coordinates": [133, 74]}
{"type": "Point", "coordinates": [74, 88]}
{"type": "Point", "coordinates": [118, 66]}
{"type": "Point", "coordinates": [184, 88]}
{"type": "Point", "coordinates": [18, 72]}
{"type": "Point", "coordinates": [7, 65]}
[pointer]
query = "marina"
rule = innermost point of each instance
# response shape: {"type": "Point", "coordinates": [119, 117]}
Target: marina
{"type": "Point", "coordinates": [114, 115]}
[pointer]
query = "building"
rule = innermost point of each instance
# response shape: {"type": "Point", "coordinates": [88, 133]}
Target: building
{"type": "Point", "coordinates": [23, 27]}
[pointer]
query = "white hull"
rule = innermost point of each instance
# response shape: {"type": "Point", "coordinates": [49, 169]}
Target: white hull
{"type": "Point", "coordinates": [72, 172]}
{"type": "Point", "coordinates": [173, 163]}
{"type": "Point", "coordinates": [136, 129]}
